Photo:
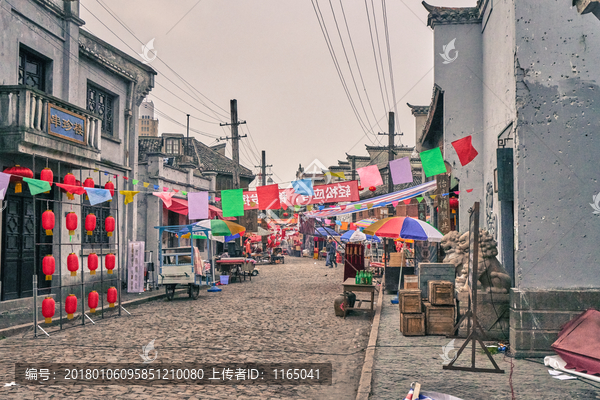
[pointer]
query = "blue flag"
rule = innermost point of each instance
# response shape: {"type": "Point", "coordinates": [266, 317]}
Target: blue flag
{"type": "Point", "coordinates": [98, 196]}
{"type": "Point", "coordinates": [155, 187]}
{"type": "Point", "coordinates": [303, 187]}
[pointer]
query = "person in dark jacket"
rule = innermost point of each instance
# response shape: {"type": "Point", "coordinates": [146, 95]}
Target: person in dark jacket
{"type": "Point", "coordinates": [331, 249]}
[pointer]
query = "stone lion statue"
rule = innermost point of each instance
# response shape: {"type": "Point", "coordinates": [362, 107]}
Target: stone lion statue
{"type": "Point", "coordinates": [492, 277]}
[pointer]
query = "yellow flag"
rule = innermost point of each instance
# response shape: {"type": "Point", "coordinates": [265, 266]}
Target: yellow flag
{"type": "Point", "coordinates": [146, 184]}
{"type": "Point", "coordinates": [433, 196]}
{"type": "Point", "coordinates": [128, 195]}
{"type": "Point", "coordinates": [340, 175]}
{"type": "Point", "coordinates": [369, 205]}
{"type": "Point", "coordinates": [309, 207]}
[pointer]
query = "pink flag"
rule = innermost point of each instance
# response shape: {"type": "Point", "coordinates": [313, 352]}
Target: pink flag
{"type": "Point", "coordinates": [401, 171]}
{"type": "Point", "coordinates": [395, 204]}
{"type": "Point", "coordinates": [198, 205]}
{"type": "Point", "coordinates": [166, 197]}
{"type": "Point", "coordinates": [370, 176]}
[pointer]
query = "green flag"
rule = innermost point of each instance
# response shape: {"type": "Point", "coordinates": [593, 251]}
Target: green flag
{"type": "Point", "coordinates": [37, 186]}
{"type": "Point", "coordinates": [297, 208]}
{"type": "Point", "coordinates": [357, 206]}
{"type": "Point", "coordinates": [233, 202]}
{"type": "Point", "coordinates": [433, 162]}
{"type": "Point", "coordinates": [420, 199]}
{"type": "Point", "coordinates": [134, 181]}
{"type": "Point", "coordinates": [183, 192]}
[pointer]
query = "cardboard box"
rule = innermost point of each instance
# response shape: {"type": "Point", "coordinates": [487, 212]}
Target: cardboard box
{"type": "Point", "coordinates": [411, 282]}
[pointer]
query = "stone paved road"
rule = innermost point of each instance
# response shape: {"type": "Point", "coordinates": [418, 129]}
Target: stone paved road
{"type": "Point", "coordinates": [284, 315]}
{"type": "Point", "coordinates": [400, 360]}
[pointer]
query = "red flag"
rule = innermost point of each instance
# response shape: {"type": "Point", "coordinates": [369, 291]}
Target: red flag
{"type": "Point", "coordinates": [407, 201]}
{"type": "Point", "coordinates": [465, 150]}
{"type": "Point", "coordinates": [268, 197]}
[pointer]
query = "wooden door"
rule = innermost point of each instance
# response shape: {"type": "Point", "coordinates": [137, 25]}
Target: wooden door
{"type": "Point", "coordinates": [18, 241]}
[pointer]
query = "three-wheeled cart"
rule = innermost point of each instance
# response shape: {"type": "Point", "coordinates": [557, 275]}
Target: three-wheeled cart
{"type": "Point", "coordinates": [177, 264]}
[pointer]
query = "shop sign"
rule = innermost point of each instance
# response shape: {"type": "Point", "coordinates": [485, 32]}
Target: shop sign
{"type": "Point", "coordinates": [66, 124]}
{"type": "Point", "coordinates": [443, 185]}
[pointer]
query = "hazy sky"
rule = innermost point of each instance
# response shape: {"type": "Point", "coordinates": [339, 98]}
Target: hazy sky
{"type": "Point", "coordinates": [271, 56]}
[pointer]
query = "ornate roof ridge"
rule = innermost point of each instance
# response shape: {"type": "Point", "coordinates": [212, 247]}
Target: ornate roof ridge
{"type": "Point", "coordinates": [452, 15]}
{"type": "Point", "coordinates": [418, 110]}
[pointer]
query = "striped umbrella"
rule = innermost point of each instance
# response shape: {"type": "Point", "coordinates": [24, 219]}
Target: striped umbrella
{"type": "Point", "coordinates": [404, 228]}
{"type": "Point", "coordinates": [365, 222]}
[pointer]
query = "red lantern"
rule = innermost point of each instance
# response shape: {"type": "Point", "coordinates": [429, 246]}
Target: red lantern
{"type": "Point", "coordinates": [88, 183]}
{"type": "Point", "coordinates": [372, 188]}
{"type": "Point", "coordinates": [70, 180]}
{"type": "Point", "coordinates": [93, 301]}
{"type": "Point", "coordinates": [71, 222]}
{"type": "Point", "coordinates": [90, 223]}
{"type": "Point", "coordinates": [48, 305]}
{"type": "Point", "coordinates": [47, 175]}
{"type": "Point", "coordinates": [111, 296]}
{"type": "Point", "coordinates": [17, 173]}
{"type": "Point", "coordinates": [70, 305]}
{"type": "Point", "coordinates": [48, 266]}
{"type": "Point", "coordinates": [48, 222]}
{"type": "Point", "coordinates": [360, 188]}
{"type": "Point", "coordinates": [93, 263]}
{"type": "Point", "coordinates": [109, 263]}
{"type": "Point", "coordinates": [453, 203]}
{"type": "Point", "coordinates": [109, 225]}
{"type": "Point", "coordinates": [73, 263]}
{"type": "Point", "coordinates": [110, 186]}
{"type": "Point", "coordinates": [285, 214]}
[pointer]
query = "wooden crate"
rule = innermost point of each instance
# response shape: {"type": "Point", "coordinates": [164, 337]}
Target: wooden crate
{"type": "Point", "coordinates": [441, 293]}
{"type": "Point", "coordinates": [409, 301]}
{"type": "Point", "coordinates": [411, 282]}
{"type": "Point", "coordinates": [440, 319]}
{"type": "Point", "coordinates": [412, 324]}
{"type": "Point", "coordinates": [434, 272]}
{"type": "Point", "coordinates": [397, 260]}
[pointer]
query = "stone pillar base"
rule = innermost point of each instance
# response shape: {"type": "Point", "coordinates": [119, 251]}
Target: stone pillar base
{"type": "Point", "coordinates": [492, 314]}
{"type": "Point", "coordinates": [536, 316]}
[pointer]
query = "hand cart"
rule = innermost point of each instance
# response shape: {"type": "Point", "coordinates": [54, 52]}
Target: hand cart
{"type": "Point", "coordinates": [176, 264]}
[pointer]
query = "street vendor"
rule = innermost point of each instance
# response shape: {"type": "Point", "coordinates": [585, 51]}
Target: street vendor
{"type": "Point", "coordinates": [248, 248]}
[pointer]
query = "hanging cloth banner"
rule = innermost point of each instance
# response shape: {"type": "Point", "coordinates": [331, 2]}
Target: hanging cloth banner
{"type": "Point", "coordinates": [4, 181]}
{"type": "Point", "coordinates": [331, 193]}
{"type": "Point", "coordinates": [165, 197]}
{"type": "Point", "coordinates": [465, 150]}
{"type": "Point", "coordinates": [98, 196]}
{"type": "Point", "coordinates": [233, 202]}
{"type": "Point", "coordinates": [303, 187]}
{"type": "Point", "coordinates": [401, 171]}
{"type": "Point", "coordinates": [433, 162]}
{"type": "Point", "coordinates": [370, 176]}
{"type": "Point", "coordinates": [268, 197]}
{"type": "Point", "coordinates": [198, 205]}
{"type": "Point", "coordinates": [37, 186]}
{"type": "Point", "coordinates": [129, 194]}
{"type": "Point", "coordinates": [71, 188]}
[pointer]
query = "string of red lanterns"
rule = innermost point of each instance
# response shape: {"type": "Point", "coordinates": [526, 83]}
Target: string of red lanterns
{"type": "Point", "coordinates": [93, 301]}
{"type": "Point", "coordinates": [93, 263]}
{"type": "Point", "coordinates": [48, 266]}
{"type": "Point", "coordinates": [70, 305]}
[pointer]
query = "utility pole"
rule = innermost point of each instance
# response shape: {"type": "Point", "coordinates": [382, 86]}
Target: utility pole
{"type": "Point", "coordinates": [353, 178]}
{"type": "Point", "coordinates": [235, 145]}
{"type": "Point", "coordinates": [188, 131]}
{"type": "Point", "coordinates": [263, 168]}
{"type": "Point", "coordinates": [391, 133]}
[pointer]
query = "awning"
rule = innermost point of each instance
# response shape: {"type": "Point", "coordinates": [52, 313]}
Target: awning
{"type": "Point", "coordinates": [218, 213]}
{"type": "Point", "coordinates": [374, 202]}
{"type": "Point", "coordinates": [180, 206]}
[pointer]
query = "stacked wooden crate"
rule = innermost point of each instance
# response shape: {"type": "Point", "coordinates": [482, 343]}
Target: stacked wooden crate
{"type": "Point", "coordinates": [440, 307]}
{"type": "Point", "coordinates": [412, 318]}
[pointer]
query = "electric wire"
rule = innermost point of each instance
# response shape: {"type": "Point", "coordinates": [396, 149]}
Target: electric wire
{"type": "Point", "coordinates": [389, 56]}
{"type": "Point", "coordinates": [323, 27]}
{"type": "Point", "coordinates": [113, 14]}
{"type": "Point", "coordinates": [348, 62]}
{"type": "Point", "coordinates": [166, 77]}
{"type": "Point", "coordinates": [381, 87]}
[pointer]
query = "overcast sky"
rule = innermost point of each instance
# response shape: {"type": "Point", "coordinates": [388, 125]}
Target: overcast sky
{"type": "Point", "coordinates": [271, 55]}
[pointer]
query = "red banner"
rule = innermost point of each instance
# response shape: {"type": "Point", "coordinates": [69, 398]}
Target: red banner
{"type": "Point", "coordinates": [332, 193]}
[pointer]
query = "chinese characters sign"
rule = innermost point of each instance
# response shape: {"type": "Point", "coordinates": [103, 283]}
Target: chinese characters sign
{"type": "Point", "coordinates": [332, 193]}
{"type": "Point", "coordinates": [66, 124]}
{"type": "Point", "coordinates": [443, 184]}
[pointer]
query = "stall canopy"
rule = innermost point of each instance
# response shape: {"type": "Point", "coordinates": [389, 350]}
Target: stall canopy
{"type": "Point", "coordinates": [374, 202]}
{"type": "Point", "coordinates": [326, 232]}
{"type": "Point", "coordinates": [179, 206]}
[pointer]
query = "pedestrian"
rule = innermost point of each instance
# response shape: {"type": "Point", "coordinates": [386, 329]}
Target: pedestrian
{"type": "Point", "coordinates": [331, 249]}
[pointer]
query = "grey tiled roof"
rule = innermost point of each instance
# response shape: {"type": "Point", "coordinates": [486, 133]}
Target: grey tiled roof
{"type": "Point", "coordinates": [451, 15]}
{"type": "Point", "coordinates": [418, 110]}
{"type": "Point", "coordinates": [213, 161]}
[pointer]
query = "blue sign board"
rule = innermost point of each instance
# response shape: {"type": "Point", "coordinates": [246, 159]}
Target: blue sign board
{"type": "Point", "coordinates": [66, 124]}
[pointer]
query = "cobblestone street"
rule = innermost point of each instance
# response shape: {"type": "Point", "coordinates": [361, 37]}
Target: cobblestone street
{"type": "Point", "coordinates": [284, 315]}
